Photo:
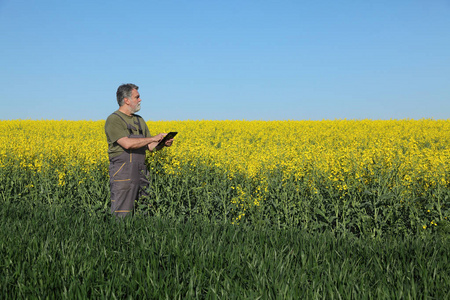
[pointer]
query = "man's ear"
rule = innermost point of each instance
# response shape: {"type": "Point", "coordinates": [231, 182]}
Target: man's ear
{"type": "Point", "coordinates": [126, 101]}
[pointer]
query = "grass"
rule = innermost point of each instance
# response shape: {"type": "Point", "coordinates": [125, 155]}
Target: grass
{"type": "Point", "coordinates": [61, 252]}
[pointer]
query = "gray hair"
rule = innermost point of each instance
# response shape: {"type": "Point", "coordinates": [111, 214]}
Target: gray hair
{"type": "Point", "coordinates": [124, 91]}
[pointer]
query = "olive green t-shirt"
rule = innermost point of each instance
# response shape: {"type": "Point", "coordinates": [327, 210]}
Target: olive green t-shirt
{"type": "Point", "coordinates": [115, 128]}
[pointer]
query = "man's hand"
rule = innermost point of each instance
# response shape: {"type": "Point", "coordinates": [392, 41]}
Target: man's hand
{"type": "Point", "coordinates": [159, 137]}
{"type": "Point", "coordinates": [168, 143]}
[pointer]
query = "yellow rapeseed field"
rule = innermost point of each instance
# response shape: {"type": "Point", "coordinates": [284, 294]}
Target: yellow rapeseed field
{"type": "Point", "coordinates": [342, 153]}
{"type": "Point", "coordinates": [343, 150]}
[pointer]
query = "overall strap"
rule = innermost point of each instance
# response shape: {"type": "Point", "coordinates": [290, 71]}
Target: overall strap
{"type": "Point", "coordinates": [129, 126]}
{"type": "Point", "coordinates": [138, 123]}
{"type": "Point", "coordinates": [120, 117]}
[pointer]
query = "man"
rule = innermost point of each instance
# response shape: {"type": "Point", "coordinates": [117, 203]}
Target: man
{"type": "Point", "coordinates": [128, 138]}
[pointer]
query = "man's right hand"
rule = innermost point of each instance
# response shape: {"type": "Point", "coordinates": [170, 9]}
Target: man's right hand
{"type": "Point", "coordinates": [159, 137]}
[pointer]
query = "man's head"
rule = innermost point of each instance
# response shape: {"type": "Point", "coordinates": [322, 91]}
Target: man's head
{"type": "Point", "coordinates": [127, 94]}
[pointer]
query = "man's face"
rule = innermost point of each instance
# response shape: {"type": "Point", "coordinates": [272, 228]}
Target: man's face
{"type": "Point", "coordinates": [135, 101]}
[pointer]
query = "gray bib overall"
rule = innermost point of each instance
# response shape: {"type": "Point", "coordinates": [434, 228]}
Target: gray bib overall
{"type": "Point", "coordinates": [127, 174]}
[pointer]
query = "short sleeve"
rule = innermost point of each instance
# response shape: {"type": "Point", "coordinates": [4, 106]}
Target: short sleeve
{"type": "Point", "coordinates": [115, 128]}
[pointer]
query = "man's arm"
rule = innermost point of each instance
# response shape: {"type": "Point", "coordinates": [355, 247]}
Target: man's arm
{"type": "Point", "coordinates": [136, 143]}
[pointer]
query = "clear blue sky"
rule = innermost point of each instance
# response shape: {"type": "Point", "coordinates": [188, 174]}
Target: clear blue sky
{"type": "Point", "coordinates": [234, 60]}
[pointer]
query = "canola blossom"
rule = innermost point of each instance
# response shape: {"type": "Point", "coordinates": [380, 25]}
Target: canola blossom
{"type": "Point", "coordinates": [410, 157]}
{"type": "Point", "coordinates": [340, 149]}
{"type": "Point", "coordinates": [343, 155]}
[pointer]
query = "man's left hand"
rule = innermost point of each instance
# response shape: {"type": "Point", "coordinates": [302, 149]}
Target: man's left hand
{"type": "Point", "coordinates": [168, 143]}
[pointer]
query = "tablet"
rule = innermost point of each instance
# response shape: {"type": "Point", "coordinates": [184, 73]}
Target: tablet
{"type": "Point", "coordinates": [168, 136]}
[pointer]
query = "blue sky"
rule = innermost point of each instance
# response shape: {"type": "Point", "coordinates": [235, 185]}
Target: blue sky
{"type": "Point", "coordinates": [226, 60]}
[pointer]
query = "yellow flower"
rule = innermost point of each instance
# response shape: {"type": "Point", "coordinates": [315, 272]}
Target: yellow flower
{"type": "Point", "coordinates": [342, 155]}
